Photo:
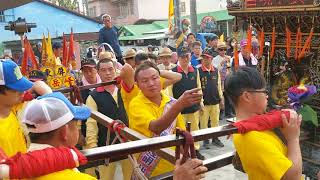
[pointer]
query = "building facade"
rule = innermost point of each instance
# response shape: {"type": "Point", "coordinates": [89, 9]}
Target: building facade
{"type": "Point", "coordinates": [129, 11]}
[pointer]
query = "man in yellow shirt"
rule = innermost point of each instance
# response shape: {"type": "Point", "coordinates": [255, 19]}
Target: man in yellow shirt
{"type": "Point", "coordinates": [52, 122]}
{"type": "Point", "coordinates": [153, 113]}
{"type": "Point", "coordinates": [12, 87]}
{"type": "Point", "coordinates": [263, 155]}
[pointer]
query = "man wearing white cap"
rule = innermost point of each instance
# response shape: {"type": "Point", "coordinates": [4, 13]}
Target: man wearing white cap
{"type": "Point", "coordinates": [52, 122]}
{"type": "Point", "coordinates": [12, 88]}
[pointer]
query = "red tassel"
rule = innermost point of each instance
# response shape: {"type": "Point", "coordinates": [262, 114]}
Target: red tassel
{"type": "Point", "coordinates": [249, 37]}
{"type": "Point", "coordinates": [288, 41]}
{"type": "Point", "coordinates": [306, 45]}
{"type": "Point", "coordinates": [273, 45]}
{"type": "Point", "coordinates": [261, 43]}
{"type": "Point", "coordinates": [298, 43]}
{"type": "Point", "coordinates": [236, 57]}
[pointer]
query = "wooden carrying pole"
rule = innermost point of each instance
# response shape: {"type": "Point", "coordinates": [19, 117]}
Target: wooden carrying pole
{"type": "Point", "coordinates": [141, 143]}
{"type": "Point", "coordinates": [66, 90]}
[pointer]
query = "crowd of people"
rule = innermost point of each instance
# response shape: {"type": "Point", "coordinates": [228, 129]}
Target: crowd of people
{"type": "Point", "coordinates": [193, 83]}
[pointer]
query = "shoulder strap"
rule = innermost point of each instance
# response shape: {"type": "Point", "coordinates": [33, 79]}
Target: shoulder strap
{"type": "Point", "coordinates": [121, 110]}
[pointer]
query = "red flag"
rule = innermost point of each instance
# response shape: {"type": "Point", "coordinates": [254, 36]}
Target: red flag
{"type": "Point", "coordinates": [28, 53]}
{"type": "Point", "coordinates": [71, 55]}
{"type": "Point", "coordinates": [65, 51]}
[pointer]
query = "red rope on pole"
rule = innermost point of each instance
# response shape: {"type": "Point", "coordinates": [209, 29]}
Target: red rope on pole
{"type": "Point", "coordinates": [42, 162]}
{"type": "Point", "coordinates": [188, 147]}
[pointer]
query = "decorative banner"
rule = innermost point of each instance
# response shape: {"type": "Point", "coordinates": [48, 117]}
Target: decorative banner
{"type": "Point", "coordinates": [269, 3]}
{"type": "Point", "coordinates": [48, 72]}
{"type": "Point", "coordinates": [60, 71]}
{"type": "Point", "coordinates": [69, 80]}
{"type": "Point", "coordinates": [55, 83]}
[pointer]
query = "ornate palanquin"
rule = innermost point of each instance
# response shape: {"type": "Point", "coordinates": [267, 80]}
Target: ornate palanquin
{"type": "Point", "coordinates": [284, 69]}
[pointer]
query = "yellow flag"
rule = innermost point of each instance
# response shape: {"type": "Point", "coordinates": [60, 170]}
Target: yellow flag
{"type": "Point", "coordinates": [51, 60]}
{"type": "Point", "coordinates": [44, 54]}
{"type": "Point", "coordinates": [171, 14]}
{"type": "Point", "coordinates": [222, 37]}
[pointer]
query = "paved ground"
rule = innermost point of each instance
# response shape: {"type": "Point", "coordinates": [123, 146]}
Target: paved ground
{"type": "Point", "coordinates": [224, 173]}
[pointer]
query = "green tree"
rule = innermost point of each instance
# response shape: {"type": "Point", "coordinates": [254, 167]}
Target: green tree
{"type": "Point", "coordinates": [69, 4]}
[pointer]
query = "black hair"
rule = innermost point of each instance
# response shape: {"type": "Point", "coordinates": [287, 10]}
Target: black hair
{"type": "Point", "coordinates": [3, 88]}
{"type": "Point", "coordinates": [36, 137]}
{"type": "Point", "coordinates": [191, 34]}
{"type": "Point", "coordinates": [196, 43]}
{"type": "Point", "coordinates": [144, 66]}
{"type": "Point", "coordinates": [245, 78]}
{"type": "Point", "coordinates": [104, 61]}
{"type": "Point", "coordinates": [152, 56]}
{"type": "Point", "coordinates": [230, 41]}
{"type": "Point", "coordinates": [141, 57]}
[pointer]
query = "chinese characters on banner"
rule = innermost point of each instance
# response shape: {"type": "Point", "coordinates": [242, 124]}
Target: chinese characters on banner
{"type": "Point", "coordinates": [58, 77]}
{"type": "Point", "coordinates": [268, 3]}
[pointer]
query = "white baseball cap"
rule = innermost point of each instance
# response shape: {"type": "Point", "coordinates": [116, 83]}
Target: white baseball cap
{"type": "Point", "coordinates": [52, 111]}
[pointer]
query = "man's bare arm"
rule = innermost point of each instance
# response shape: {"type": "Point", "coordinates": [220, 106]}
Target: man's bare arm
{"type": "Point", "coordinates": [170, 77]}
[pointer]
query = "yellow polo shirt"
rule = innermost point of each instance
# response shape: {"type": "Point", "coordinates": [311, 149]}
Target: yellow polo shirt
{"type": "Point", "coordinates": [263, 155]}
{"type": "Point", "coordinates": [12, 139]}
{"type": "Point", "coordinates": [141, 112]}
{"type": "Point", "coordinates": [66, 175]}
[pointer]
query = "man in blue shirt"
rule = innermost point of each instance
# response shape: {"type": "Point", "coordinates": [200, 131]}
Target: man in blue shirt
{"type": "Point", "coordinates": [196, 53]}
{"type": "Point", "coordinates": [109, 34]}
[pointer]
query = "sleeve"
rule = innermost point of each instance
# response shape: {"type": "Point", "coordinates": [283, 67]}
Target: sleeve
{"type": "Point", "coordinates": [263, 155]}
{"type": "Point", "coordinates": [180, 122]}
{"type": "Point", "coordinates": [162, 81]}
{"type": "Point", "coordinates": [220, 86]}
{"type": "Point", "coordinates": [127, 95]}
{"type": "Point", "coordinates": [140, 118]}
{"type": "Point", "coordinates": [92, 126]}
{"type": "Point", "coordinates": [100, 41]}
{"type": "Point", "coordinates": [199, 86]}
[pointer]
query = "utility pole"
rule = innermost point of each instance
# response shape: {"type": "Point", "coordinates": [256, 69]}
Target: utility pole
{"type": "Point", "coordinates": [177, 16]}
{"type": "Point", "coordinates": [193, 16]}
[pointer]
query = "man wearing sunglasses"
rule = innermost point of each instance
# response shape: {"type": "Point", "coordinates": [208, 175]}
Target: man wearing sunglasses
{"type": "Point", "coordinates": [223, 64]}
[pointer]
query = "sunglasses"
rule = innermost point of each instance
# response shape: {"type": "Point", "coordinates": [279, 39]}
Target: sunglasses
{"type": "Point", "coordinates": [222, 49]}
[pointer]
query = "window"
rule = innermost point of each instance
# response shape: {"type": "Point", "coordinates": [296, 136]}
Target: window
{"type": "Point", "coordinates": [183, 7]}
{"type": "Point", "coordinates": [2, 17]}
{"type": "Point", "coordinates": [131, 7]}
{"type": "Point", "coordinates": [92, 12]}
{"type": "Point", "coordinates": [124, 9]}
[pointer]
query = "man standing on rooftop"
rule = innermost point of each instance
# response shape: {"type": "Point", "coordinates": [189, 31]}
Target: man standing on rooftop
{"type": "Point", "coordinates": [109, 34]}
